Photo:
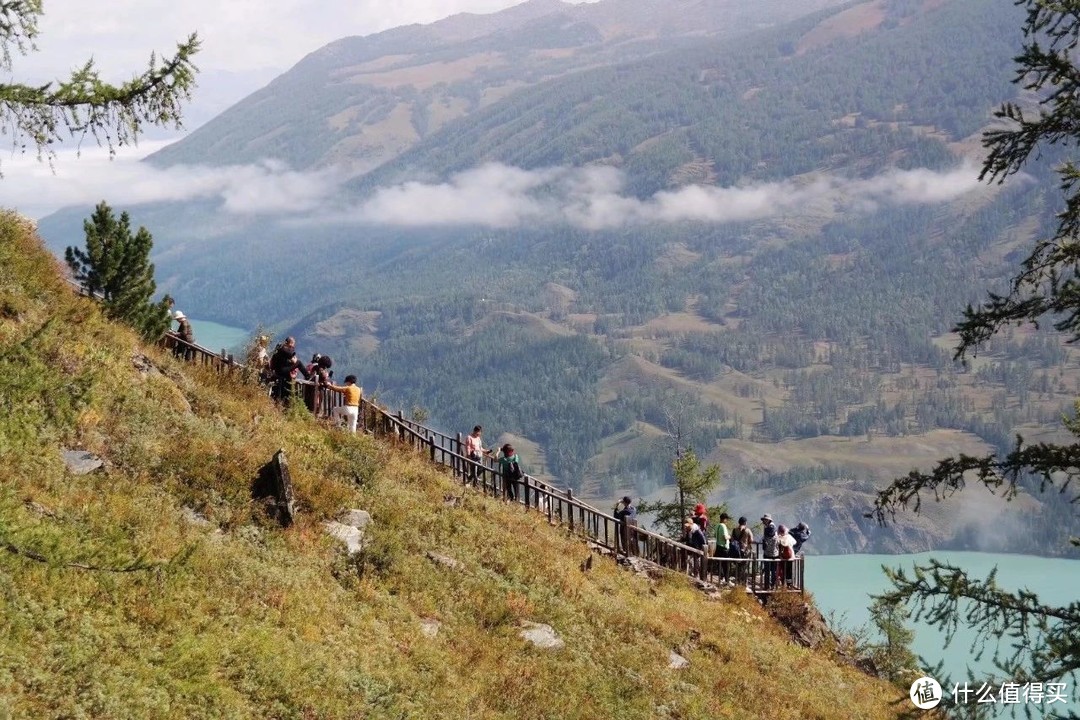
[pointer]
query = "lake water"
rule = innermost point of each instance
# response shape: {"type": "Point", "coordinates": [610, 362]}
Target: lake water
{"type": "Point", "coordinates": [843, 584]}
{"type": "Point", "coordinates": [215, 336]}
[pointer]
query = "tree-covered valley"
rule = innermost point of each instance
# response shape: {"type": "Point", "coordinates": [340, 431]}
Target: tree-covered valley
{"type": "Point", "coordinates": [564, 287]}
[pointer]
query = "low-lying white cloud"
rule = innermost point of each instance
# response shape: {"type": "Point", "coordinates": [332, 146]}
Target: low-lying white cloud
{"type": "Point", "coordinates": [37, 188]}
{"type": "Point", "coordinates": [493, 195]}
{"type": "Point", "coordinates": [594, 197]}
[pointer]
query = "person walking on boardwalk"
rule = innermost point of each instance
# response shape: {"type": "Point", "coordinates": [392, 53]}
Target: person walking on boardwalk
{"type": "Point", "coordinates": [627, 518]}
{"type": "Point", "coordinates": [353, 393]}
{"type": "Point", "coordinates": [474, 450]}
{"type": "Point", "coordinates": [510, 470]}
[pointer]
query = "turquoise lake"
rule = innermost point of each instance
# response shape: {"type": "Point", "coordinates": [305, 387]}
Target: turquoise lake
{"type": "Point", "coordinates": [842, 584]}
{"type": "Point", "coordinates": [215, 336]}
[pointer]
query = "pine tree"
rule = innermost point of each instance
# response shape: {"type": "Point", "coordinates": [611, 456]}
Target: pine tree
{"type": "Point", "coordinates": [1042, 642]}
{"type": "Point", "coordinates": [41, 115]}
{"type": "Point", "coordinates": [692, 486]}
{"type": "Point", "coordinates": [116, 265]}
{"type": "Point", "coordinates": [892, 656]}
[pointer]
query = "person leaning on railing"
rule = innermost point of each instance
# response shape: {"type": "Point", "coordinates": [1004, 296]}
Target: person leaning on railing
{"type": "Point", "coordinates": [474, 450]}
{"type": "Point", "coordinates": [353, 393]}
{"type": "Point", "coordinates": [186, 334]}
{"type": "Point", "coordinates": [627, 517]}
{"type": "Point", "coordinates": [286, 365]}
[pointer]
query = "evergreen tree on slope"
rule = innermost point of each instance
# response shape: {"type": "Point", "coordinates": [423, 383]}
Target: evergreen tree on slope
{"type": "Point", "coordinates": [116, 265]}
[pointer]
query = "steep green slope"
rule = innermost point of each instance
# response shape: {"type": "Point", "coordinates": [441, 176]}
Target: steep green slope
{"type": "Point", "coordinates": [155, 588]}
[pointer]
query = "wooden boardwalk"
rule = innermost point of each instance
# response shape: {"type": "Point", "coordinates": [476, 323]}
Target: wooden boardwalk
{"type": "Point", "coordinates": [757, 574]}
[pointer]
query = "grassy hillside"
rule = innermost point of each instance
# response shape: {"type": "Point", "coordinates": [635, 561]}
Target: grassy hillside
{"type": "Point", "coordinates": [154, 587]}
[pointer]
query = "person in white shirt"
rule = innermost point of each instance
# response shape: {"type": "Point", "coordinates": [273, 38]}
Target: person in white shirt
{"type": "Point", "coordinates": [474, 450]}
{"type": "Point", "coordinates": [785, 541]}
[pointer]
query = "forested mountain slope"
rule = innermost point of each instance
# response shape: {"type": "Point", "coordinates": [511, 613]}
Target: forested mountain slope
{"type": "Point", "coordinates": [155, 587]}
{"type": "Point", "coordinates": [362, 100]}
{"type": "Point", "coordinates": [769, 229]}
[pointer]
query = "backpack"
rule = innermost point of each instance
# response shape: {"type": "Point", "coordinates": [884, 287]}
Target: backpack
{"type": "Point", "coordinates": [513, 472]}
{"type": "Point", "coordinates": [787, 553]}
{"type": "Point", "coordinates": [769, 546]}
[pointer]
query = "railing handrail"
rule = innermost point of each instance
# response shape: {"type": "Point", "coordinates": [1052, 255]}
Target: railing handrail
{"type": "Point", "coordinates": [665, 550]}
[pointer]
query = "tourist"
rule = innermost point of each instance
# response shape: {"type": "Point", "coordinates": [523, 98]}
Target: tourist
{"type": "Point", "coordinates": [510, 470]}
{"type": "Point", "coordinates": [474, 450]}
{"type": "Point", "coordinates": [723, 545]}
{"type": "Point", "coordinates": [742, 549]}
{"type": "Point", "coordinates": [319, 370]}
{"type": "Point", "coordinates": [785, 543]}
{"type": "Point", "coordinates": [770, 552]}
{"type": "Point", "coordinates": [186, 335]}
{"type": "Point", "coordinates": [353, 393]}
{"type": "Point", "coordinates": [701, 517]}
{"type": "Point", "coordinates": [693, 535]}
{"type": "Point", "coordinates": [801, 533]}
{"type": "Point", "coordinates": [627, 518]}
{"type": "Point", "coordinates": [286, 365]}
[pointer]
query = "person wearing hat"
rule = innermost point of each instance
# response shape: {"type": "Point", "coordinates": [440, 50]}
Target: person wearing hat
{"type": "Point", "coordinates": [185, 334]}
{"type": "Point", "coordinates": [770, 552]}
{"type": "Point", "coordinates": [627, 517]}
{"type": "Point", "coordinates": [510, 469]}
{"type": "Point", "coordinates": [701, 517]}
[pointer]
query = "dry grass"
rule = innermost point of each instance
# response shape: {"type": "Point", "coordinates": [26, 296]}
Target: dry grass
{"type": "Point", "coordinates": [235, 618]}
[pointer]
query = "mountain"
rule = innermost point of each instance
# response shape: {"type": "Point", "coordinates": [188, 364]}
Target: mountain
{"type": "Point", "coordinates": [591, 227]}
{"type": "Point", "coordinates": [361, 101]}
{"type": "Point", "coordinates": [156, 587]}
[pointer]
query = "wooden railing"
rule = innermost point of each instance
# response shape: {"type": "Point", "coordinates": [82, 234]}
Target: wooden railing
{"type": "Point", "coordinates": [192, 352]}
{"type": "Point", "coordinates": [759, 575]}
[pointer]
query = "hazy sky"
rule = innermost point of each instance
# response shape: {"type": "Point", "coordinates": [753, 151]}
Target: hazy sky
{"type": "Point", "coordinates": [238, 35]}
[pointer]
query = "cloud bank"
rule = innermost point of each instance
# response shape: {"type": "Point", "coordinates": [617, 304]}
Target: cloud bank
{"type": "Point", "coordinates": [500, 196]}
{"type": "Point", "coordinates": [492, 196]}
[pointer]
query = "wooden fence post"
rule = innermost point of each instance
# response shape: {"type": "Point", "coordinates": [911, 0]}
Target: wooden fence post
{"type": "Point", "coordinates": [570, 497]}
{"type": "Point", "coordinates": [458, 464]}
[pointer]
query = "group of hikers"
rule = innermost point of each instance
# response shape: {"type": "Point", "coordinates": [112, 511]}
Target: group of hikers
{"type": "Point", "coordinates": [279, 370]}
{"type": "Point", "coordinates": [734, 548]}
